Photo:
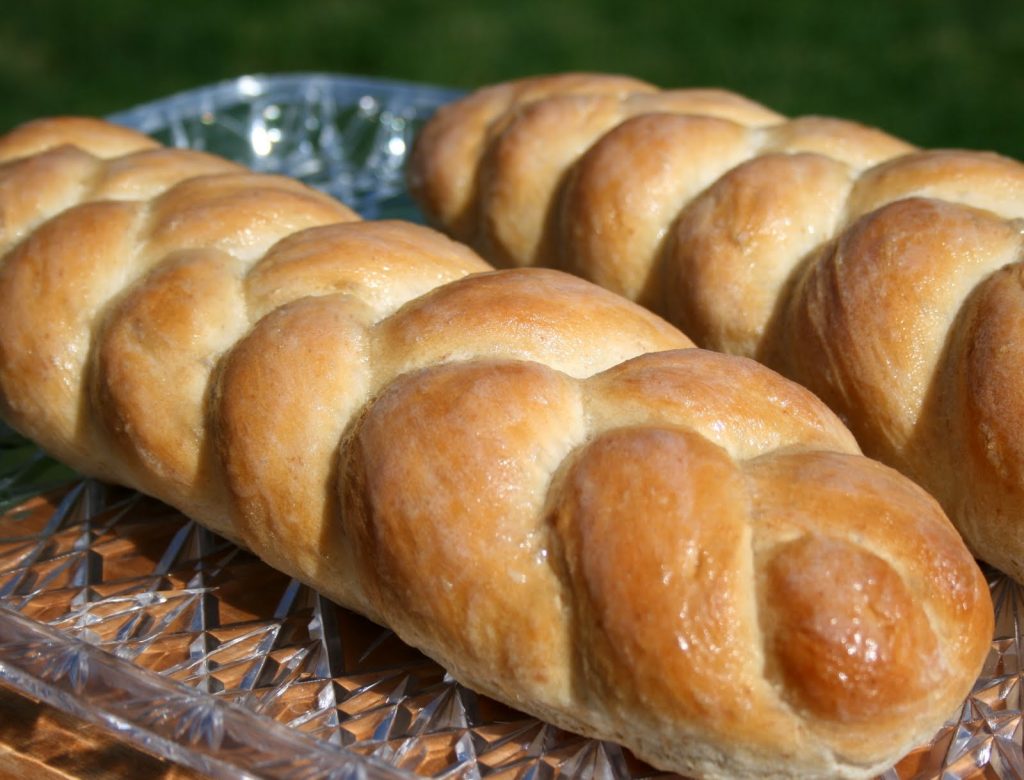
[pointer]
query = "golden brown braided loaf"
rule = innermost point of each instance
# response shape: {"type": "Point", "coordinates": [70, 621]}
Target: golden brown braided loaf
{"type": "Point", "coordinates": [885, 279]}
{"type": "Point", "coordinates": [535, 481]}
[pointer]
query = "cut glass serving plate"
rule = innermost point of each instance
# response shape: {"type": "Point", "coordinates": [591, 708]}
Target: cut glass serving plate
{"type": "Point", "coordinates": [120, 610]}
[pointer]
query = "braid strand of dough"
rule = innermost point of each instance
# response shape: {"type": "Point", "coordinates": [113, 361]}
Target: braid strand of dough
{"type": "Point", "coordinates": [884, 278]}
{"type": "Point", "coordinates": [538, 483]}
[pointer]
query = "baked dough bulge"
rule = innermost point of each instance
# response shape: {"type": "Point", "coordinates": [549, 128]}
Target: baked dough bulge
{"type": "Point", "coordinates": [540, 484]}
{"type": "Point", "coordinates": [843, 257]}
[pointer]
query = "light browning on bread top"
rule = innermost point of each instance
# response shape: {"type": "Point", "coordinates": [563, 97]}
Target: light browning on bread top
{"type": "Point", "coordinates": [535, 481]}
{"type": "Point", "coordinates": [845, 258]}
{"type": "Point", "coordinates": [541, 169]}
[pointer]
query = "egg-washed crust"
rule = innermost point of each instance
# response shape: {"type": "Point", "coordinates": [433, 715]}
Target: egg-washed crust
{"type": "Point", "coordinates": [538, 483]}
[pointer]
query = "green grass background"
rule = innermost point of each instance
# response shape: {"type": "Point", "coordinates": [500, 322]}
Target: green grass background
{"type": "Point", "coordinates": [937, 72]}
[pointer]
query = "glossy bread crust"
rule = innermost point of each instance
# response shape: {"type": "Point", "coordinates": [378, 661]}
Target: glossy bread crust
{"type": "Point", "coordinates": [882, 277]}
{"type": "Point", "coordinates": [537, 482]}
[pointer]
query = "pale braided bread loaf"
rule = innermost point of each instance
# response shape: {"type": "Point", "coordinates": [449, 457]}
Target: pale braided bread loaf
{"type": "Point", "coordinates": [680, 550]}
{"type": "Point", "coordinates": [885, 279]}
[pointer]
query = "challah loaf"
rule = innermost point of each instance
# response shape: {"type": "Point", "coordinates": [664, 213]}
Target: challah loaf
{"type": "Point", "coordinates": [537, 482]}
{"type": "Point", "coordinates": [885, 279]}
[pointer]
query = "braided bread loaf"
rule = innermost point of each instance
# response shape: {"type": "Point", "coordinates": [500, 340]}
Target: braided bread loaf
{"type": "Point", "coordinates": [885, 279]}
{"type": "Point", "coordinates": [537, 482]}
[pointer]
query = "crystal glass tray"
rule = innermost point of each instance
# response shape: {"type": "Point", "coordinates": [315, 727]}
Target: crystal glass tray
{"type": "Point", "coordinates": [117, 609]}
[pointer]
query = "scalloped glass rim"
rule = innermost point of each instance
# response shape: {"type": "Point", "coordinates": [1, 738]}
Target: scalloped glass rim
{"type": "Point", "coordinates": [157, 115]}
{"type": "Point", "coordinates": [349, 136]}
{"type": "Point", "coordinates": [107, 689]}
{"type": "Point", "coordinates": [361, 171]}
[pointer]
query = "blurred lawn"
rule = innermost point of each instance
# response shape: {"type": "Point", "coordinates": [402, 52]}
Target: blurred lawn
{"type": "Point", "coordinates": [938, 72]}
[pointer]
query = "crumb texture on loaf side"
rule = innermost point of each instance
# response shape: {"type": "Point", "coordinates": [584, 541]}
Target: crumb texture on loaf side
{"type": "Point", "coordinates": [879, 275]}
{"type": "Point", "coordinates": [539, 483]}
